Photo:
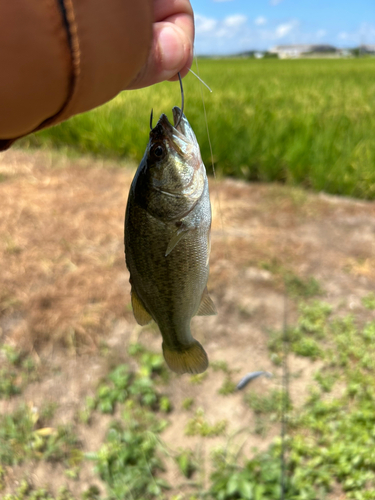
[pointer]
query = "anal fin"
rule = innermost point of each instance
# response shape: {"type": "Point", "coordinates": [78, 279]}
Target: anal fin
{"type": "Point", "coordinates": [206, 307]}
{"type": "Point", "coordinates": [142, 317]}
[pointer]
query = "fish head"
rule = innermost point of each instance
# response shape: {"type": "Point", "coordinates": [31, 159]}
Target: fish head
{"type": "Point", "coordinates": [172, 167]}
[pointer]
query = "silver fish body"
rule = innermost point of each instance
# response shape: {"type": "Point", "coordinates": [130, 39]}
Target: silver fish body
{"type": "Point", "coordinates": [167, 241]}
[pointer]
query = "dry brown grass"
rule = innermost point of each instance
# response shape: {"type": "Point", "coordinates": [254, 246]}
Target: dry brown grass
{"type": "Point", "coordinates": [61, 253]}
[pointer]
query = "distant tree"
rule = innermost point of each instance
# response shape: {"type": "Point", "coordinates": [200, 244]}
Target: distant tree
{"type": "Point", "coordinates": [356, 51]}
{"type": "Point", "coordinates": [270, 55]}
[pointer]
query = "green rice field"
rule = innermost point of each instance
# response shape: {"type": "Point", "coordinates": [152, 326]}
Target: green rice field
{"type": "Point", "coordinates": [303, 122]}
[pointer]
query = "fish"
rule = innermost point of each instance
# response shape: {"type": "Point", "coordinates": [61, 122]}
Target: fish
{"type": "Point", "coordinates": [167, 241]}
{"type": "Point", "coordinates": [251, 376]}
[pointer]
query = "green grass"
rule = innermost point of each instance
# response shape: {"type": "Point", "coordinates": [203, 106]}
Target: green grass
{"type": "Point", "coordinates": [306, 122]}
{"type": "Point", "coordinates": [25, 436]}
{"type": "Point", "coordinates": [199, 426]}
{"type": "Point", "coordinates": [16, 371]}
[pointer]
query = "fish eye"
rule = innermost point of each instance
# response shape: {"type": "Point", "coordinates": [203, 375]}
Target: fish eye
{"type": "Point", "coordinates": [158, 151]}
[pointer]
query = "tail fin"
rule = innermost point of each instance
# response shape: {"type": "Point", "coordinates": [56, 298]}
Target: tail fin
{"type": "Point", "coordinates": [189, 359]}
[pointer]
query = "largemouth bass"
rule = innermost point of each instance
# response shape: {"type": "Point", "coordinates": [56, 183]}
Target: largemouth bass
{"type": "Point", "coordinates": [167, 241]}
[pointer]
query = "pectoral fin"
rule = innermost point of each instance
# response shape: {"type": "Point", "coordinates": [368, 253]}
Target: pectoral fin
{"type": "Point", "coordinates": [142, 317]}
{"type": "Point", "coordinates": [206, 307]}
{"type": "Point", "coordinates": [174, 240]}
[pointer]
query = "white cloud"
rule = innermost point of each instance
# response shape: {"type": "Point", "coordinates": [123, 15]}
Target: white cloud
{"type": "Point", "coordinates": [343, 35]}
{"type": "Point", "coordinates": [235, 21]}
{"type": "Point", "coordinates": [365, 34]}
{"type": "Point", "coordinates": [260, 21]}
{"type": "Point", "coordinates": [367, 30]}
{"type": "Point", "coordinates": [284, 29]}
{"type": "Point", "coordinates": [275, 2]}
{"type": "Point", "coordinates": [204, 25]}
{"type": "Point", "coordinates": [209, 28]}
{"type": "Point", "coordinates": [320, 33]}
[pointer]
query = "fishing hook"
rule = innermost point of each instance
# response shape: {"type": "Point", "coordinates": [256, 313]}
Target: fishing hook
{"type": "Point", "coordinates": [182, 101]}
{"type": "Point", "coordinates": [182, 105]}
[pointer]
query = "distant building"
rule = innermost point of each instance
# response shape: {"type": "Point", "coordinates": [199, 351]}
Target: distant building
{"type": "Point", "coordinates": [367, 49]}
{"type": "Point", "coordinates": [300, 50]}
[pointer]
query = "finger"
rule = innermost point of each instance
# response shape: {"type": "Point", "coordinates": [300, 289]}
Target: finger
{"type": "Point", "coordinates": [171, 52]}
{"type": "Point", "coordinates": [164, 10]}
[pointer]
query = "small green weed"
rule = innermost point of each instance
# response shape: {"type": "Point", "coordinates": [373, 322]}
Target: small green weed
{"type": "Point", "coordinates": [270, 404]}
{"type": "Point", "coordinates": [187, 403]}
{"type": "Point", "coordinates": [296, 287]}
{"type": "Point", "coordinates": [199, 378]}
{"type": "Point", "coordinates": [16, 371]}
{"type": "Point", "coordinates": [26, 492]}
{"type": "Point", "coordinates": [304, 338]}
{"type": "Point", "coordinates": [228, 387]}
{"type": "Point", "coordinates": [325, 379]}
{"type": "Point", "coordinates": [219, 366]}
{"type": "Point", "coordinates": [22, 438]}
{"type": "Point", "coordinates": [129, 460]}
{"type": "Point", "coordinates": [187, 463]}
{"type": "Point", "coordinates": [123, 384]}
{"type": "Point", "coordinates": [198, 426]}
{"type": "Point", "coordinates": [259, 478]}
{"type": "Point", "coordinates": [369, 301]}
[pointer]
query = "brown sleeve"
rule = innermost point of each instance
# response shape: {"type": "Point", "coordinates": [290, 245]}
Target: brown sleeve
{"type": "Point", "coordinates": [62, 57]}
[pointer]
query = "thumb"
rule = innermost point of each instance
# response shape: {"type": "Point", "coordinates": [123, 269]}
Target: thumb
{"type": "Point", "coordinates": [171, 52]}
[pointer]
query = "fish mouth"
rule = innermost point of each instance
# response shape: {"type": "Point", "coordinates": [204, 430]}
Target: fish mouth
{"type": "Point", "coordinates": [175, 133]}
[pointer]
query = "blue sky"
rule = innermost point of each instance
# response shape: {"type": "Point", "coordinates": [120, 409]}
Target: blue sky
{"type": "Point", "coordinates": [230, 26]}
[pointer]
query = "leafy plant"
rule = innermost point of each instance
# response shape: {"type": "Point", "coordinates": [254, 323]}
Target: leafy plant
{"type": "Point", "coordinates": [304, 338]}
{"type": "Point", "coordinates": [129, 460]}
{"type": "Point", "coordinates": [228, 387]}
{"type": "Point", "coordinates": [187, 463]}
{"type": "Point", "coordinates": [369, 301]}
{"type": "Point", "coordinates": [22, 438]}
{"type": "Point", "coordinates": [198, 426]}
{"type": "Point", "coordinates": [187, 403]}
{"type": "Point", "coordinates": [15, 372]}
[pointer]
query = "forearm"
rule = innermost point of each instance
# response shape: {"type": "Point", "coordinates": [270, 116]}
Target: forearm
{"type": "Point", "coordinates": [57, 64]}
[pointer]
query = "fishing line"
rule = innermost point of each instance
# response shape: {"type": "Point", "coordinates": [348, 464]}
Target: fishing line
{"type": "Point", "coordinates": [211, 152]}
{"type": "Point", "coordinates": [205, 116]}
{"type": "Point", "coordinates": [284, 401]}
{"type": "Point", "coordinates": [200, 79]}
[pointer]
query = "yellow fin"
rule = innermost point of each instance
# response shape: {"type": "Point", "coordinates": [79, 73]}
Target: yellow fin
{"type": "Point", "coordinates": [191, 359]}
{"type": "Point", "coordinates": [142, 317]}
{"type": "Point", "coordinates": [206, 307]}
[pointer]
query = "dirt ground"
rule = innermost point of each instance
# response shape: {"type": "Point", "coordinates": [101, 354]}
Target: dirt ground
{"type": "Point", "coordinates": [65, 295]}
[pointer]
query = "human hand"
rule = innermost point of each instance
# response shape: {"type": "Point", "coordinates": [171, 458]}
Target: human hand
{"type": "Point", "coordinates": [172, 44]}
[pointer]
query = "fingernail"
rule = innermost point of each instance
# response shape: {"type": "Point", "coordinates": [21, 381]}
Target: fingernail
{"type": "Point", "coordinates": [171, 49]}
